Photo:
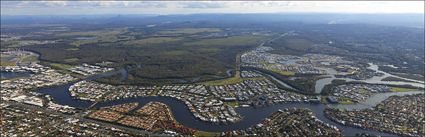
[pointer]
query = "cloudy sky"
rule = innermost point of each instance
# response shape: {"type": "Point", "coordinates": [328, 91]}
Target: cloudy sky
{"type": "Point", "coordinates": [189, 7]}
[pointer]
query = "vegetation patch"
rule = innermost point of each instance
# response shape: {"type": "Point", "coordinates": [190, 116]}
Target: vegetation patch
{"type": "Point", "coordinates": [398, 89]}
{"type": "Point", "coordinates": [206, 134]}
{"type": "Point", "coordinates": [31, 58]}
{"type": "Point", "coordinates": [233, 104]}
{"type": "Point", "coordinates": [299, 44]}
{"type": "Point", "coordinates": [94, 33]}
{"type": "Point", "coordinates": [190, 30]}
{"type": "Point", "coordinates": [345, 101]}
{"type": "Point", "coordinates": [72, 49]}
{"type": "Point", "coordinates": [228, 41]}
{"type": "Point", "coordinates": [60, 66]}
{"type": "Point", "coordinates": [7, 63]}
{"type": "Point", "coordinates": [232, 80]}
{"type": "Point", "coordinates": [108, 35]}
{"type": "Point", "coordinates": [175, 53]}
{"type": "Point", "coordinates": [282, 72]}
{"type": "Point", "coordinates": [72, 60]}
{"type": "Point", "coordinates": [153, 40]}
{"type": "Point", "coordinates": [209, 50]}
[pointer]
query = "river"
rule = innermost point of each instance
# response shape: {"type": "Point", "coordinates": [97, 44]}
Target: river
{"type": "Point", "coordinates": [10, 75]}
{"type": "Point", "coordinates": [321, 83]}
{"type": "Point", "coordinates": [373, 100]}
{"type": "Point", "coordinates": [251, 115]}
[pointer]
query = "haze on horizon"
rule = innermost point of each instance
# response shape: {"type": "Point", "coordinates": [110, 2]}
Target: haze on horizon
{"type": "Point", "coordinates": [191, 7]}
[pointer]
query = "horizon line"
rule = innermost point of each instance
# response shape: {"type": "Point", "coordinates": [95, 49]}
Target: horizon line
{"type": "Point", "coordinates": [153, 14]}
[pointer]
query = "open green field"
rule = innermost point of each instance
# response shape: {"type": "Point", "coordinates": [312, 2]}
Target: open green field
{"type": "Point", "coordinates": [206, 134]}
{"type": "Point", "coordinates": [60, 66]}
{"type": "Point", "coordinates": [6, 60]}
{"type": "Point", "coordinates": [107, 35]}
{"type": "Point", "coordinates": [94, 33]}
{"type": "Point", "coordinates": [233, 104]}
{"type": "Point", "coordinates": [232, 80]}
{"type": "Point", "coordinates": [8, 63]}
{"type": "Point", "coordinates": [275, 70]}
{"type": "Point", "coordinates": [153, 40]}
{"type": "Point", "coordinates": [228, 41]}
{"type": "Point", "coordinates": [71, 60]}
{"type": "Point", "coordinates": [345, 101]}
{"type": "Point", "coordinates": [175, 53]}
{"type": "Point", "coordinates": [299, 44]}
{"type": "Point", "coordinates": [292, 45]}
{"type": "Point", "coordinates": [282, 72]}
{"type": "Point", "coordinates": [189, 30]}
{"type": "Point", "coordinates": [397, 89]}
{"type": "Point", "coordinates": [73, 49]}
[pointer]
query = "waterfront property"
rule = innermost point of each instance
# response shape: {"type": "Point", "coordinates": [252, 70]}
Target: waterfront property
{"type": "Point", "coordinates": [289, 122]}
{"type": "Point", "coordinates": [399, 115]}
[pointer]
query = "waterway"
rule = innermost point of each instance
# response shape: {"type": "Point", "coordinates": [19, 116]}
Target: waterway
{"type": "Point", "coordinates": [251, 115]}
{"type": "Point", "coordinates": [321, 83]}
{"type": "Point", "coordinates": [374, 100]}
{"type": "Point", "coordinates": [85, 38]}
{"type": "Point", "coordinates": [10, 75]}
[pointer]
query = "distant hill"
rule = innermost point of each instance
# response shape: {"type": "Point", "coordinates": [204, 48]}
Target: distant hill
{"type": "Point", "coordinates": [407, 20]}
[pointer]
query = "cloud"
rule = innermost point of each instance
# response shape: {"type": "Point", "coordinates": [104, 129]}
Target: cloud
{"type": "Point", "coordinates": [202, 5]}
{"type": "Point", "coordinates": [82, 4]}
{"type": "Point", "coordinates": [187, 7]}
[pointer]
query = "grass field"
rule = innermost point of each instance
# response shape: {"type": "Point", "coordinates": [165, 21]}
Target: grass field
{"type": "Point", "coordinates": [95, 33]}
{"type": "Point", "coordinates": [275, 70]}
{"type": "Point", "coordinates": [209, 50]}
{"type": "Point", "coordinates": [108, 35]}
{"type": "Point", "coordinates": [233, 80]}
{"type": "Point", "coordinates": [233, 104]}
{"type": "Point", "coordinates": [229, 41]}
{"type": "Point", "coordinates": [7, 63]}
{"type": "Point", "coordinates": [282, 72]}
{"type": "Point", "coordinates": [60, 66]}
{"type": "Point", "coordinates": [82, 42]}
{"type": "Point", "coordinates": [72, 60]}
{"type": "Point", "coordinates": [175, 53]}
{"type": "Point", "coordinates": [345, 101]}
{"type": "Point", "coordinates": [189, 30]}
{"type": "Point", "coordinates": [206, 134]}
{"type": "Point", "coordinates": [299, 44]}
{"type": "Point", "coordinates": [72, 49]}
{"type": "Point", "coordinates": [154, 40]}
{"type": "Point", "coordinates": [397, 89]}
{"type": "Point", "coordinates": [8, 60]}
{"type": "Point", "coordinates": [30, 58]}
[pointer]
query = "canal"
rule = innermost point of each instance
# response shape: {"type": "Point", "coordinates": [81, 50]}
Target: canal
{"type": "Point", "coordinates": [251, 115]}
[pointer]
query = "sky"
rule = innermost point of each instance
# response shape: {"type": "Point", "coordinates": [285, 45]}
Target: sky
{"type": "Point", "coordinates": [192, 7]}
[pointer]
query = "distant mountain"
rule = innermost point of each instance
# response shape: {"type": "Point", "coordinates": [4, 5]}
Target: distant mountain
{"type": "Point", "coordinates": [407, 20]}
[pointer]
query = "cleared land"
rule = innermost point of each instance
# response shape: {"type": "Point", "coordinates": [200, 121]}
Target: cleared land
{"type": "Point", "coordinates": [299, 44]}
{"type": "Point", "coordinates": [153, 40]}
{"type": "Point", "coordinates": [189, 30]}
{"type": "Point", "coordinates": [93, 37]}
{"type": "Point", "coordinates": [228, 41]}
{"type": "Point", "coordinates": [398, 89]}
